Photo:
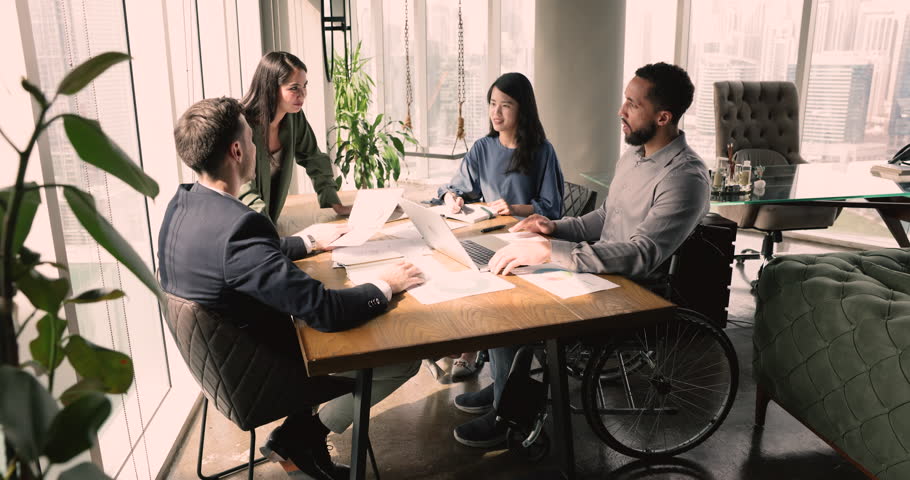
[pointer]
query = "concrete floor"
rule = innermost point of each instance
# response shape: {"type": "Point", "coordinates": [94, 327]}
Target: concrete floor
{"type": "Point", "coordinates": [411, 431]}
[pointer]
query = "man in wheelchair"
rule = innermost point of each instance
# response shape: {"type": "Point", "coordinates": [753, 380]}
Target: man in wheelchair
{"type": "Point", "coordinates": [659, 193]}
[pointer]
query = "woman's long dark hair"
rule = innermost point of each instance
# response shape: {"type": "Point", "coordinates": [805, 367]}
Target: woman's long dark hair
{"type": "Point", "coordinates": [529, 135]}
{"type": "Point", "coordinates": [261, 101]}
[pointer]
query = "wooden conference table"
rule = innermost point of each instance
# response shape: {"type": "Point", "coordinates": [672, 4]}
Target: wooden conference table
{"type": "Point", "coordinates": [410, 331]}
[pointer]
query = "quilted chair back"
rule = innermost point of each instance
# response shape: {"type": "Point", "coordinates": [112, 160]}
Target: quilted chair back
{"type": "Point", "coordinates": [762, 121]}
{"type": "Point", "coordinates": [763, 115]}
{"type": "Point", "coordinates": [832, 346]}
{"type": "Point", "coordinates": [577, 200]}
{"type": "Point", "coordinates": [247, 382]}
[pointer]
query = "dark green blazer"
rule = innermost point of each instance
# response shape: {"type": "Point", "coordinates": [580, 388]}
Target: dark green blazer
{"type": "Point", "coordinates": [298, 143]}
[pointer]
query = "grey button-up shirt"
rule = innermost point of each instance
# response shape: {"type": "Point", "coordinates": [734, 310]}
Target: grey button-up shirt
{"type": "Point", "coordinates": [654, 203]}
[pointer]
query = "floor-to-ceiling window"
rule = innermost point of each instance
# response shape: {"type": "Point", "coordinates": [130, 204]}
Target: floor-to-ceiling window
{"type": "Point", "coordinates": [735, 40]}
{"type": "Point", "coordinates": [183, 51]}
{"type": "Point", "coordinates": [850, 60]}
{"type": "Point", "coordinates": [66, 33]}
{"type": "Point", "coordinates": [857, 98]}
{"type": "Point", "coordinates": [431, 39]}
{"type": "Point", "coordinates": [650, 37]}
{"type": "Point", "coordinates": [516, 45]}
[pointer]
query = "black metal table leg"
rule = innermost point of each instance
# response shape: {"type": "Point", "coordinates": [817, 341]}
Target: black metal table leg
{"type": "Point", "coordinates": [360, 434]}
{"type": "Point", "coordinates": [895, 226]}
{"type": "Point", "coordinates": [562, 418]}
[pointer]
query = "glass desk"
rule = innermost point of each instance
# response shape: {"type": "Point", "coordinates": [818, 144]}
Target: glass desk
{"type": "Point", "coordinates": [820, 184]}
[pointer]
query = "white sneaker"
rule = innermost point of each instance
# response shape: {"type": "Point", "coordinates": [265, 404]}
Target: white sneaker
{"type": "Point", "coordinates": [437, 372]}
{"type": "Point", "coordinates": [461, 368]}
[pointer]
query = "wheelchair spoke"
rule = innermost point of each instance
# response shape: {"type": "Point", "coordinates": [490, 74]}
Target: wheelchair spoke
{"type": "Point", "coordinates": [693, 387]}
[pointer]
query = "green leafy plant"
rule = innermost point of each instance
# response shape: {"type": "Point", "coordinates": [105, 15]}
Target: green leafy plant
{"type": "Point", "coordinates": [370, 148]}
{"type": "Point", "coordinates": [39, 429]}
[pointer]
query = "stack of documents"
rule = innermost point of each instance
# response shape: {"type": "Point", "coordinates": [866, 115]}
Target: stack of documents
{"type": "Point", "coordinates": [897, 173]}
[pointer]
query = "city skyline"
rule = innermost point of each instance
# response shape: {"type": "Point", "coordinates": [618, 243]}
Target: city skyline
{"type": "Point", "coordinates": [858, 90]}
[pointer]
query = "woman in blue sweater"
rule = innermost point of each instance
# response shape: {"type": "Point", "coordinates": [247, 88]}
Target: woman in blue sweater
{"type": "Point", "coordinates": [514, 169]}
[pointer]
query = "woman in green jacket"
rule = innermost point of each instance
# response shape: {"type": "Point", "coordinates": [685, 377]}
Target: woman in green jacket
{"type": "Point", "coordinates": [272, 107]}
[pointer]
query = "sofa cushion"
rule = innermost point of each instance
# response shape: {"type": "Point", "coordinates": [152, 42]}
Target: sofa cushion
{"type": "Point", "coordinates": [892, 279]}
{"type": "Point", "coordinates": [832, 346]}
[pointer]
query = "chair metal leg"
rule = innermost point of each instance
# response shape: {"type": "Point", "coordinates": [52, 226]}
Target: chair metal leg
{"type": "Point", "coordinates": [767, 244]}
{"type": "Point", "coordinates": [746, 254]}
{"type": "Point", "coordinates": [762, 398]}
{"type": "Point", "coordinates": [253, 460]}
{"type": "Point", "coordinates": [252, 463]}
{"type": "Point", "coordinates": [372, 458]}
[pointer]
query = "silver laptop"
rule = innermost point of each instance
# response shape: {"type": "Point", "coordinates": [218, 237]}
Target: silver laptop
{"type": "Point", "coordinates": [474, 252]}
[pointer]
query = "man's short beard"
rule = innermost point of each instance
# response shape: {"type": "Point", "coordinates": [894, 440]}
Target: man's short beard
{"type": "Point", "coordinates": [641, 136]}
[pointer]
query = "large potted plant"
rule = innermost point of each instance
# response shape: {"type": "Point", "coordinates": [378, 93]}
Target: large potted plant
{"type": "Point", "coordinates": [371, 148]}
{"type": "Point", "coordinates": [39, 429]}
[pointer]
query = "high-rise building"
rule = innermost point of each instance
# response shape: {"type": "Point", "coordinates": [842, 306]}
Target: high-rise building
{"type": "Point", "coordinates": [899, 124]}
{"type": "Point", "coordinates": [714, 68]}
{"type": "Point", "coordinates": [835, 25]}
{"type": "Point", "coordinates": [778, 50]}
{"type": "Point", "coordinates": [838, 99]}
{"type": "Point", "coordinates": [876, 39]}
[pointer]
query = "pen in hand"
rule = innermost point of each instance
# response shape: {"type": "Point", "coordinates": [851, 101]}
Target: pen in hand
{"type": "Point", "coordinates": [492, 229]}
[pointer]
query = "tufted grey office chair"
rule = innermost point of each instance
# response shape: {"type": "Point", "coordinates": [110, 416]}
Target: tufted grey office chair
{"type": "Point", "coordinates": [762, 121]}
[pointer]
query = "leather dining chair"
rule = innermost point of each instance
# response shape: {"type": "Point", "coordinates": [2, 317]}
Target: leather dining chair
{"type": "Point", "coordinates": [761, 119]}
{"type": "Point", "coordinates": [577, 200]}
{"type": "Point", "coordinates": [248, 382]}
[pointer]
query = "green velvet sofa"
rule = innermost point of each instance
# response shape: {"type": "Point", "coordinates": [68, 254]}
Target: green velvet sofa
{"type": "Point", "coordinates": [832, 347]}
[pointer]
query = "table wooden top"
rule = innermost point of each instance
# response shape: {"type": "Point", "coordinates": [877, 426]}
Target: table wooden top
{"type": "Point", "coordinates": [410, 330]}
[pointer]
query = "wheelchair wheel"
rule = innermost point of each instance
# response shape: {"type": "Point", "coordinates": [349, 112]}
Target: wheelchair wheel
{"type": "Point", "coordinates": [677, 396]}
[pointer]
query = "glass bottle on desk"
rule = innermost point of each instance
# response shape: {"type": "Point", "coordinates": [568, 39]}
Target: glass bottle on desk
{"type": "Point", "coordinates": [745, 174]}
{"type": "Point", "coordinates": [720, 175]}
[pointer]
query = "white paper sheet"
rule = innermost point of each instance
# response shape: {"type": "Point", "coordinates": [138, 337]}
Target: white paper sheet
{"type": "Point", "coordinates": [380, 250]}
{"type": "Point", "coordinates": [368, 272]}
{"type": "Point", "coordinates": [561, 282]}
{"type": "Point", "coordinates": [407, 229]}
{"type": "Point", "coordinates": [441, 285]}
{"type": "Point", "coordinates": [371, 210]}
{"type": "Point", "coordinates": [453, 285]}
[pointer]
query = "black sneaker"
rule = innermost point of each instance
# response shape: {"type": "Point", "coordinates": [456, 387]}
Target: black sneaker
{"type": "Point", "coordinates": [478, 402]}
{"type": "Point", "coordinates": [482, 432]}
{"type": "Point", "coordinates": [310, 456]}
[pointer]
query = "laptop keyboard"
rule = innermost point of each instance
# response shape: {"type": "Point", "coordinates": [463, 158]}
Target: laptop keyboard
{"type": "Point", "coordinates": [480, 254]}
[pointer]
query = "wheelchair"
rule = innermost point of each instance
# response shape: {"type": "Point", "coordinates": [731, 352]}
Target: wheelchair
{"type": "Point", "coordinates": [651, 392]}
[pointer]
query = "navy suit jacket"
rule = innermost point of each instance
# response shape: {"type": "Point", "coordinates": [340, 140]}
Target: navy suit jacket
{"type": "Point", "coordinates": [216, 251]}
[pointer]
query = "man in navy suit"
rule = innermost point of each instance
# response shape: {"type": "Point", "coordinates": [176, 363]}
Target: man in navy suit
{"type": "Point", "coordinates": [216, 251]}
